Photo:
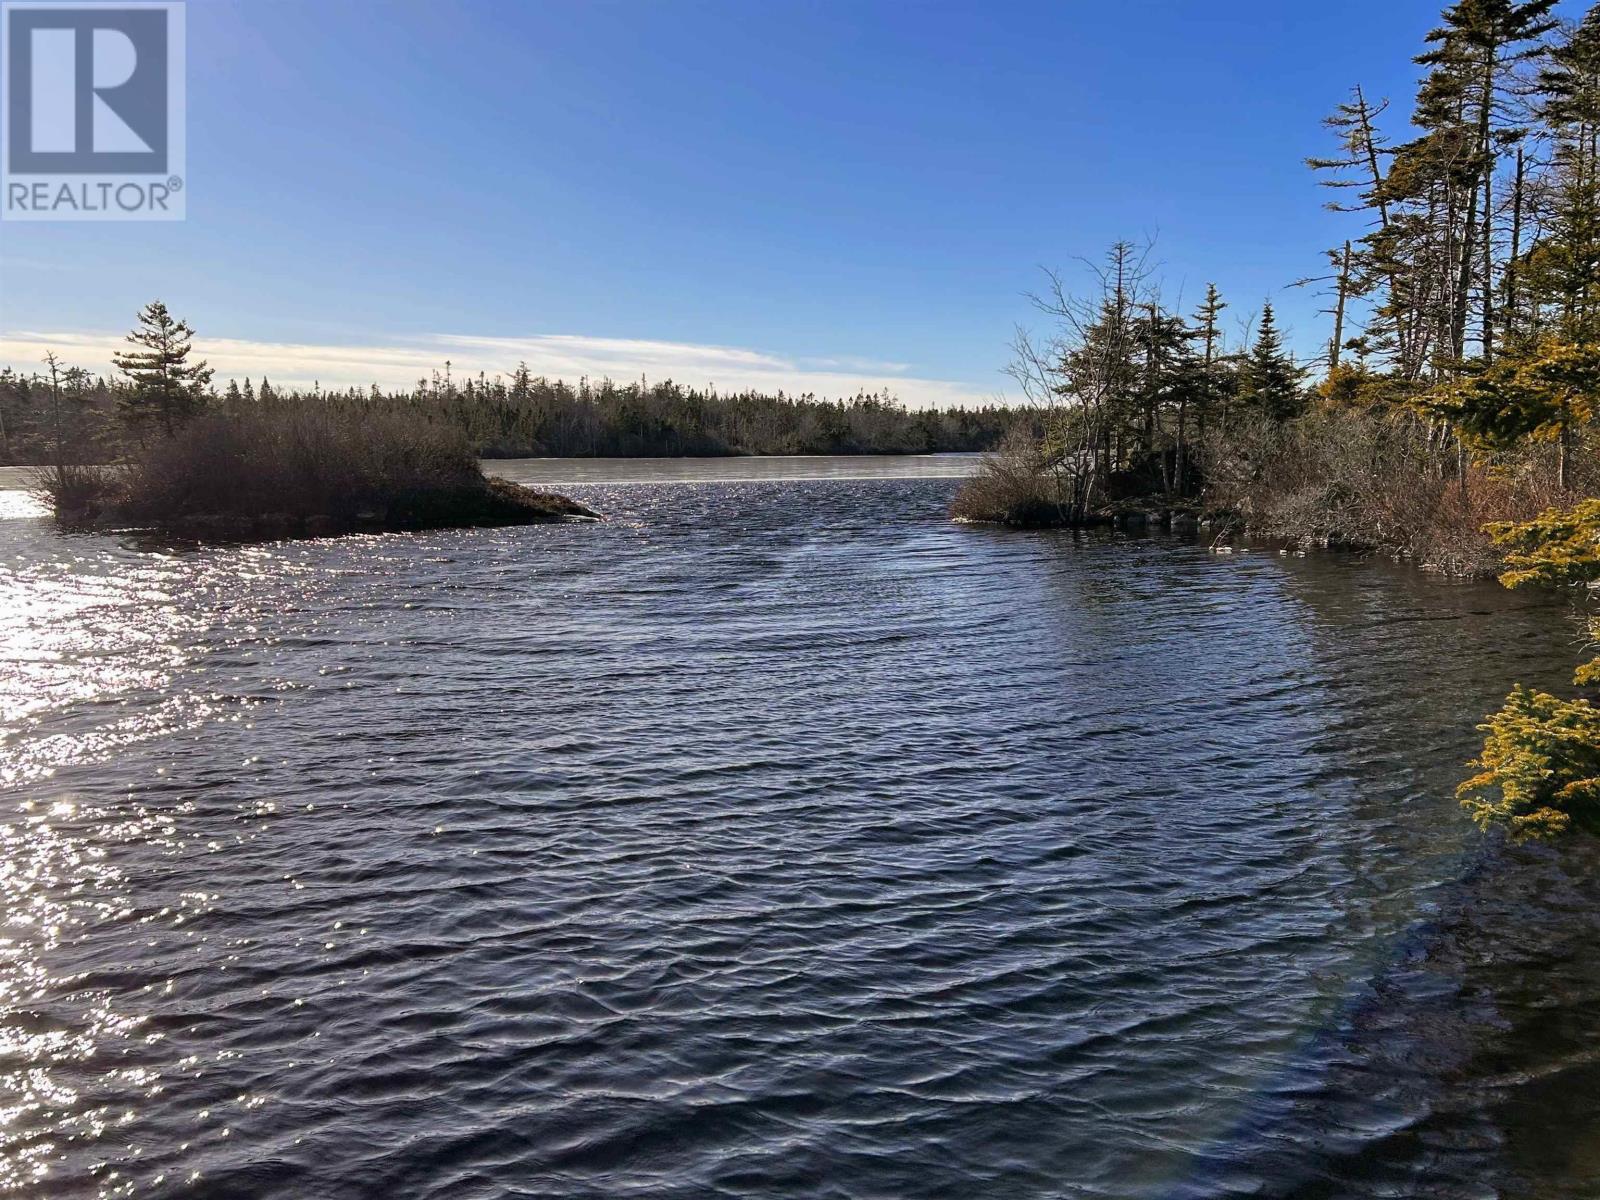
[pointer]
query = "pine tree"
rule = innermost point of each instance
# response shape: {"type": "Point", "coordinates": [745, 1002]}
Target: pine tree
{"type": "Point", "coordinates": [1271, 383]}
{"type": "Point", "coordinates": [1363, 266]}
{"type": "Point", "coordinates": [162, 383]}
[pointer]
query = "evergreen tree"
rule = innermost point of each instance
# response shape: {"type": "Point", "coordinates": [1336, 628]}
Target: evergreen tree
{"type": "Point", "coordinates": [162, 384]}
{"type": "Point", "coordinates": [1564, 264]}
{"type": "Point", "coordinates": [1364, 266]}
{"type": "Point", "coordinates": [1462, 104]}
{"type": "Point", "coordinates": [1271, 380]}
{"type": "Point", "coordinates": [1212, 394]}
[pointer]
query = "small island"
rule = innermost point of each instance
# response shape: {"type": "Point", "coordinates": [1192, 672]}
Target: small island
{"type": "Point", "coordinates": [122, 498]}
{"type": "Point", "coordinates": [199, 467]}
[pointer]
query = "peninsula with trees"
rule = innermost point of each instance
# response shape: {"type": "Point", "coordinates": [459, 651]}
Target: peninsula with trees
{"type": "Point", "coordinates": [1451, 418]}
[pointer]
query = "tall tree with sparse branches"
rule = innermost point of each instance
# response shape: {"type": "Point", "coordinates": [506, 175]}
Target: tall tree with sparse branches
{"type": "Point", "coordinates": [161, 383]}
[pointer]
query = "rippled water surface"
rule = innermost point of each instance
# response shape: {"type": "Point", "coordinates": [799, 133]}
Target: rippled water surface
{"type": "Point", "coordinates": [773, 839]}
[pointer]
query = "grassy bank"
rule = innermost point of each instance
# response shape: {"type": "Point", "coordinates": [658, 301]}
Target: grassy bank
{"type": "Point", "coordinates": [291, 468]}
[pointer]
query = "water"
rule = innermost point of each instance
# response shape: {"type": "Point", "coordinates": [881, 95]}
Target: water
{"type": "Point", "coordinates": [773, 839]}
{"type": "Point", "coordinates": [538, 472]}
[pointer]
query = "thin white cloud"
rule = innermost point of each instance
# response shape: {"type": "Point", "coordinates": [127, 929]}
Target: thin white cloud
{"type": "Point", "coordinates": [556, 356]}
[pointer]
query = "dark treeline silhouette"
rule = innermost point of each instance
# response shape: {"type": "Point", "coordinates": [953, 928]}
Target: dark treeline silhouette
{"type": "Point", "coordinates": [523, 416]}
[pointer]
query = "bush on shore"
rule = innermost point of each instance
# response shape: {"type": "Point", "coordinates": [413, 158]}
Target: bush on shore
{"type": "Point", "coordinates": [1539, 770]}
{"type": "Point", "coordinates": [297, 466]}
{"type": "Point", "coordinates": [1381, 481]}
{"type": "Point", "coordinates": [1332, 478]}
{"type": "Point", "coordinates": [1012, 486]}
{"type": "Point", "coordinates": [77, 491]}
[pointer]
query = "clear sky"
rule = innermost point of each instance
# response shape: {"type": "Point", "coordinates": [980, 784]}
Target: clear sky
{"type": "Point", "coordinates": [819, 195]}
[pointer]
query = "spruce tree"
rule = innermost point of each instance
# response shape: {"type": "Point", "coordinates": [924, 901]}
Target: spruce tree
{"type": "Point", "coordinates": [1213, 392]}
{"type": "Point", "coordinates": [1271, 383]}
{"type": "Point", "coordinates": [1364, 265]}
{"type": "Point", "coordinates": [162, 384]}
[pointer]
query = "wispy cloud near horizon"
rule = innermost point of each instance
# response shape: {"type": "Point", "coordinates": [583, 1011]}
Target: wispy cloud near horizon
{"type": "Point", "coordinates": [400, 363]}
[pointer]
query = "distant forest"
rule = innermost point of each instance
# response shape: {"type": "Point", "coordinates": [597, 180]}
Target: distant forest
{"type": "Point", "coordinates": [525, 416]}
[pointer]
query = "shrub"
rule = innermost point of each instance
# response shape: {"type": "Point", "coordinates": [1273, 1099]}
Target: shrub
{"type": "Point", "coordinates": [280, 466]}
{"type": "Point", "coordinates": [1539, 771]}
{"type": "Point", "coordinates": [78, 492]}
{"type": "Point", "coordinates": [1379, 480]}
{"type": "Point", "coordinates": [1559, 546]}
{"type": "Point", "coordinates": [1009, 487]}
{"type": "Point", "coordinates": [298, 459]}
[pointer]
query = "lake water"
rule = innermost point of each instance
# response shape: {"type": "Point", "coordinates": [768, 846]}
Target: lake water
{"type": "Point", "coordinates": [773, 838]}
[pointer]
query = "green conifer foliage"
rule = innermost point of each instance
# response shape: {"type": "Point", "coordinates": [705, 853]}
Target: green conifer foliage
{"type": "Point", "coordinates": [1271, 381]}
{"type": "Point", "coordinates": [1539, 770]}
{"type": "Point", "coordinates": [162, 384]}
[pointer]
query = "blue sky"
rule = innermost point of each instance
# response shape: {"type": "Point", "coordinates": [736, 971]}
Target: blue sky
{"type": "Point", "coordinates": [824, 193]}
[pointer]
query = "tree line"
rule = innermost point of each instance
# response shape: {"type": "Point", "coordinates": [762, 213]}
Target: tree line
{"type": "Point", "coordinates": [159, 385]}
{"type": "Point", "coordinates": [1451, 413]}
{"type": "Point", "coordinates": [1132, 391]}
{"type": "Point", "coordinates": [1465, 305]}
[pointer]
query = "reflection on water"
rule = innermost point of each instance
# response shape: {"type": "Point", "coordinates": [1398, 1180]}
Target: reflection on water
{"type": "Point", "coordinates": [545, 472]}
{"type": "Point", "coordinates": [773, 838]}
{"type": "Point", "coordinates": [15, 482]}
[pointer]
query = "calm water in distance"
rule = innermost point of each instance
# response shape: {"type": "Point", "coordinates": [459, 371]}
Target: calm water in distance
{"type": "Point", "coordinates": [778, 838]}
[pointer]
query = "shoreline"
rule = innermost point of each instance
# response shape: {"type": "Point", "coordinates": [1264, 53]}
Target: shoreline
{"type": "Point", "coordinates": [1230, 528]}
{"type": "Point", "coordinates": [19, 476]}
{"type": "Point", "coordinates": [96, 502]}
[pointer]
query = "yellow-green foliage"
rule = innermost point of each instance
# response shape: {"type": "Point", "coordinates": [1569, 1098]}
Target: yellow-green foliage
{"type": "Point", "coordinates": [1588, 675]}
{"type": "Point", "coordinates": [1540, 766]}
{"type": "Point", "coordinates": [1536, 394]}
{"type": "Point", "coordinates": [1539, 771]}
{"type": "Point", "coordinates": [1555, 548]}
{"type": "Point", "coordinates": [1356, 388]}
{"type": "Point", "coordinates": [1558, 548]}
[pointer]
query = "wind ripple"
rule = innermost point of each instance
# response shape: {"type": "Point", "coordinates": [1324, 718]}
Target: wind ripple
{"type": "Point", "coordinates": [774, 839]}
